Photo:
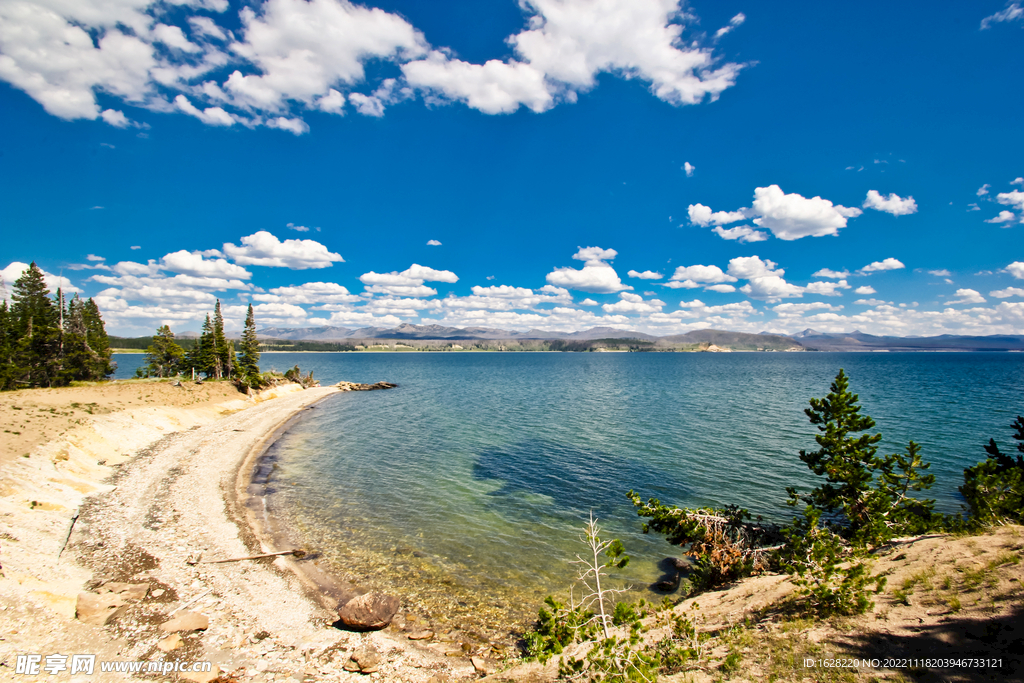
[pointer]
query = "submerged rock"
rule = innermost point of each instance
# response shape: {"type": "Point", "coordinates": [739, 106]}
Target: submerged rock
{"type": "Point", "coordinates": [368, 612]}
{"type": "Point", "coordinates": [355, 386]}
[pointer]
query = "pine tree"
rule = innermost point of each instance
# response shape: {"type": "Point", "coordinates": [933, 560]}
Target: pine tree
{"type": "Point", "coordinates": [994, 488]}
{"type": "Point", "coordinates": [202, 357]}
{"type": "Point", "coordinates": [36, 329]}
{"type": "Point", "coordinates": [865, 496]}
{"type": "Point", "coordinates": [249, 356]}
{"type": "Point", "coordinates": [164, 356]}
{"type": "Point", "coordinates": [225, 350]}
{"type": "Point", "coordinates": [99, 342]}
{"type": "Point", "coordinates": [7, 369]}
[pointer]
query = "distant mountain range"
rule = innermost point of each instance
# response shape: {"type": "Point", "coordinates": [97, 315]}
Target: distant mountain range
{"type": "Point", "coordinates": [809, 340]}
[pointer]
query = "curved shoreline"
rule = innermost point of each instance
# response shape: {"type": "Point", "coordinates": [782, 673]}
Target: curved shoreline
{"type": "Point", "coordinates": [246, 501]}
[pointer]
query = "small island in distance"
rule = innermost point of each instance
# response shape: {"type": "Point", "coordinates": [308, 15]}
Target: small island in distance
{"type": "Point", "coordinates": [439, 338]}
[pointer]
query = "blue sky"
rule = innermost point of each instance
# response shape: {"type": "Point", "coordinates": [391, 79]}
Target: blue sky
{"type": "Point", "coordinates": [549, 164]}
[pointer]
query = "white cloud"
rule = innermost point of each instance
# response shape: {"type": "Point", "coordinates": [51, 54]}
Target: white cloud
{"type": "Point", "coordinates": [407, 283]}
{"type": "Point", "coordinates": [135, 248]}
{"type": "Point", "coordinates": [1003, 217]}
{"type": "Point", "coordinates": [494, 87]}
{"type": "Point", "coordinates": [332, 103]}
{"type": "Point", "coordinates": [892, 204]}
{"type": "Point", "coordinates": [703, 215]}
{"type": "Point", "coordinates": [433, 243]}
{"type": "Point", "coordinates": [968, 296]}
{"type": "Point", "coordinates": [646, 275]}
{"type": "Point", "coordinates": [724, 289]}
{"type": "Point", "coordinates": [588, 302]}
{"type": "Point", "coordinates": [699, 273]}
{"type": "Point", "coordinates": [742, 233]}
{"type": "Point", "coordinates": [596, 276]}
{"type": "Point", "coordinates": [733, 23]}
{"type": "Point", "coordinates": [940, 273]}
{"type": "Point", "coordinates": [681, 284]}
{"type": "Point", "coordinates": [871, 302]}
{"type": "Point", "coordinates": [835, 274]}
{"type": "Point", "coordinates": [633, 303]}
{"type": "Point", "coordinates": [799, 309]}
{"type": "Point", "coordinates": [791, 216]}
{"type": "Point", "coordinates": [16, 269]}
{"type": "Point", "coordinates": [297, 228]}
{"type": "Point", "coordinates": [295, 126]}
{"type": "Point", "coordinates": [865, 290]}
{"type": "Point", "coordinates": [93, 257]}
{"type": "Point", "coordinates": [1008, 292]}
{"type": "Point", "coordinates": [503, 291]}
{"type": "Point", "coordinates": [1016, 269]}
{"type": "Point", "coordinates": [1012, 12]}
{"type": "Point", "coordinates": [689, 169]}
{"type": "Point", "coordinates": [117, 119]}
{"type": "Point", "coordinates": [212, 116]}
{"type": "Point", "coordinates": [193, 263]}
{"type": "Point", "coordinates": [887, 264]}
{"type": "Point", "coordinates": [1014, 198]}
{"type": "Point", "coordinates": [264, 249]}
{"type": "Point", "coordinates": [1017, 181]}
{"type": "Point", "coordinates": [309, 293]}
{"type": "Point", "coordinates": [771, 288]}
{"type": "Point", "coordinates": [747, 267]}
{"type": "Point", "coordinates": [983, 190]}
{"type": "Point", "coordinates": [827, 288]}
{"type": "Point", "coordinates": [205, 26]}
{"type": "Point", "coordinates": [172, 36]}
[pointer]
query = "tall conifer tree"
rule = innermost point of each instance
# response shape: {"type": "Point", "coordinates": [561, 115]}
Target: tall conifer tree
{"type": "Point", "coordinates": [36, 329]}
{"type": "Point", "coordinates": [249, 358]}
{"type": "Point", "coordinates": [225, 350]}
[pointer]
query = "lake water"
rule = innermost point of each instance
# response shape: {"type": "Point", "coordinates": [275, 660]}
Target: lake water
{"type": "Point", "coordinates": [464, 489]}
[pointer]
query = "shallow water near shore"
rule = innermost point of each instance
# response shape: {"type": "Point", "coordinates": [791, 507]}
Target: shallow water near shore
{"type": "Point", "coordinates": [464, 489]}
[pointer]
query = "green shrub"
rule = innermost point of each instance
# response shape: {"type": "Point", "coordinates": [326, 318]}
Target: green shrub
{"type": "Point", "coordinates": [994, 488]}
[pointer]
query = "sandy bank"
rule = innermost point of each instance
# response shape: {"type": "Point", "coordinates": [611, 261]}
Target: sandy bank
{"type": "Point", "coordinates": [149, 484]}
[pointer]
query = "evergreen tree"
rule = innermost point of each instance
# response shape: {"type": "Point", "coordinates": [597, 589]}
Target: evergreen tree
{"type": "Point", "coordinates": [865, 496]}
{"type": "Point", "coordinates": [99, 342]}
{"type": "Point", "coordinates": [7, 338]}
{"type": "Point", "coordinates": [225, 350]}
{"type": "Point", "coordinates": [249, 357]}
{"type": "Point", "coordinates": [36, 329]}
{"type": "Point", "coordinates": [994, 488]}
{"type": "Point", "coordinates": [164, 357]}
{"type": "Point", "coordinates": [202, 357]}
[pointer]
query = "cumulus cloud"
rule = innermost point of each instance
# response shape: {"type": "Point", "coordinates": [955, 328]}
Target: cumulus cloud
{"type": "Point", "coordinates": [835, 274]}
{"type": "Point", "coordinates": [264, 249]}
{"type": "Point", "coordinates": [1003, 217]}
{"type": "Point", "coordinates": [742, 233]}
{"type": "Point", "coordinates": [681, 284]}
{"type": "Point", "coordinates": [588, 302]}
{"type": "Point", "coordinates": [1006, 293]}
{"type": "Point", "coordinates": [193, 263]}
{"type": "Point", "coordinates": [968, 296]}
{"type": "Point", "coordinates": [887, 264]}
{"type": "Point", "coordinates": [309, 293]}
{"type": "Point", "coordinates": [788, 309]}
{"type": "Point", "coordinates": [596, 276]}
{"type": "Point", "coordinates": [433, 243]}
{"type": "Point", "coordinates": [871, 302]}
{"type": "Point", "coordinates": [983, 190]}
{"type": "Point", "coordinates": [746, 267]}
{"type": "Point", "coordinates": [16, 269]}
{"type": "Point", "coordinates": [1014, 198]}
{"type": "Point", "coordinates": [1013, 12]}
{"type": "Point", "coordinates": [689, 169]}
{"type": "Point", "coordinates": [407, 283]}
{"type": "Point", "coordinates": [892, 204]}
{"type": "Point", "coordinates": [724, 289]}
{"type": "Point", "coordinates": [865, 290]}
{"type": "Point", "coordinates": [827, 288]}
{"type": "Point", "coordinates": [633, 303]}
{"type": "Point", "coordinates": [703, 215]}
{"type": "Point", "coordinates": [702, 274]}
{"type": "Point", "coordinates": [791, 216]}
{"type": "Point", "coordinates": [771, 288]}
{"type": "Point", "coordinates": [503, 291]}
{"type": "Point", "coordinates": [212, 116]}
{"type": "Point", "coordinates": [1016, 269]}
{"type": "Point", "coordinates": [940, 273]}
{"type": "Point", "coordinates": [646, 275]}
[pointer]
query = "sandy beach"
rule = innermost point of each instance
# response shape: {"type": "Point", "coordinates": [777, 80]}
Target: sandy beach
{"type": "Point", "coordinates": [148, 480]}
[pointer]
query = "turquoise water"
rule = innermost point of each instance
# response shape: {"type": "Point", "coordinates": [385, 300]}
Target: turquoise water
{"type": "Point", "coordinates": [464, 489]}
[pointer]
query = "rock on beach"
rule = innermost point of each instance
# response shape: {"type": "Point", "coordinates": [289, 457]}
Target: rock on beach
{"type": "Point", "coordinates": [368, 612]}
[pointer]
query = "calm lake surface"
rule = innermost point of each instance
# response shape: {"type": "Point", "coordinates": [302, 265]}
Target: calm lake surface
{"type": "Point", "coordinates": [464, 489]}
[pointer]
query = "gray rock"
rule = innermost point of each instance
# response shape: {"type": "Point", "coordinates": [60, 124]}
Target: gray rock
{"type": "Point", "coordinates": [368, 612]}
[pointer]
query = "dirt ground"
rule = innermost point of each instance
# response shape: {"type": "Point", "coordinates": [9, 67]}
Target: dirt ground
{"type": "Point", "coordinates": [31, 417]}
